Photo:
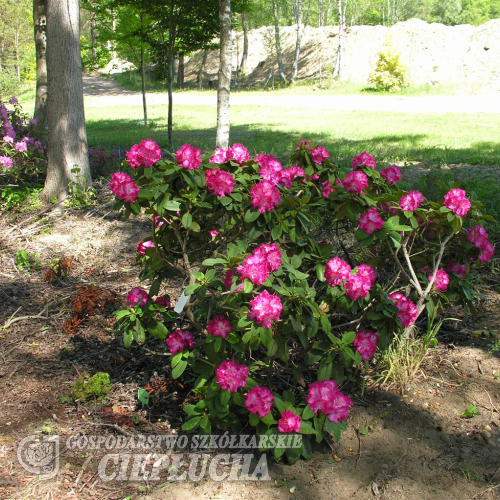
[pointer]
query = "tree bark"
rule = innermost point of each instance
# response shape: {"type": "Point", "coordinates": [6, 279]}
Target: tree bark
{"type": "Point", "coordinates": [170, 69]}
{"type": "Point", "coordinates": [40, 24]}
{"type": "Point", "coordinates": [278, 44]}
{"type": "Point", "coordinates": [244, 57]}
{"type": "Point", "coordinates": [224, 86]}
{"type": "Point", "coordinates": [297, 10]}
{"type": "Point", "coordinates": [337, 73]}
{"type": "Point", "coordinates": [143, 86]}
{"type": "Point", "coordinates": [180, 72]}
{"type": "Point", "coordinates": [68, 151]}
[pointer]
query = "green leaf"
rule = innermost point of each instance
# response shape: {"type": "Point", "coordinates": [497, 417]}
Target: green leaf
{"type": "Point", "coordinates": [279, 404]}
{"type": "Point", "coordinates": [191, 424]}
{"type": "Point", "coordinates": [247, 286]}
{"type": "Point", "coordinates": [296, 261]}
{"type": "Point", "coordinates": [307, 413]}
{"type": "Point", "coordinates": [251, 216]}
{"type": "Point", "coordinates": [225, 396]}
{"type": "Point", "coordinates": [348, 338]}
{"type": "Point", "coordinates": [179, 369]}
{"type": "Point", "coordinates": [191, 410]}
{"type": "Point", "coordinates": [470, 412]}
{"type": "Point", "coordinates": [186, 220]}
{"type": "Point", "coordinates": [276, 232]}
{"type": "Point", "coordinates": [190, 289]}
{"type": "Point", "coordinates": [320, 271]}
{"type": "Point", "coordinates": [212, 262]}
{"type": "Point", "coordinates": [143, 397]}
{"type": "Point", "coordinates": [157, 330]}
{"type": "Point", "coordinates": [306, 428]}
{"type": "Point", "coordinates": [171, 205]}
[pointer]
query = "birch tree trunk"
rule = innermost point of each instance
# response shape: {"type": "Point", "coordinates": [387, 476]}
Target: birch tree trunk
{"type": "Point", "coordinates": [297, 10]}
{"type": "Point", "coordinates": [337, 70]}
{"type": "Point", "coordinates": [244, 57]}
{"type": "Point", "coordinates": [224, 87]}
{"type": "Point", "coordinates": [40, 25]}
{"type": "Point", "coordinates": [68, 149]}
{"type": "Point", "coordinates": [278, 44]}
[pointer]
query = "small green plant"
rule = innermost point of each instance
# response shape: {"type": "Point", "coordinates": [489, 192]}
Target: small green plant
{"type": "Point", "coordinates": [97, 386]}
{"type": "Point", "coordinates": [390, 75]}
{"type": "Point", "coordinates": [80, 194]}
{"type": "Point", "coordinates": [471, 474]}
{"type": "Point", "coordinates": [470, 412]}
{"type": "Point", "coordinates": [143, 397]}
{"type": "Point", "coordinates": [27, 262]}
{"type": "Point", "coordinates": [26, 195]}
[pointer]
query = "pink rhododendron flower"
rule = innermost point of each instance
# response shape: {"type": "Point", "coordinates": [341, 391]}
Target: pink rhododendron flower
{"type": "Point", "coordinates": [326, 397]}
{"type": "Point", "coordinates": [254, 268]}
{"type": "Point", "coordinates": [164, 302]}
{"type": "Point", "coordinates": [137, 297]}
{"type": "Point", "coordinates": [265, 196]}
{"type": "Point", "coordinates": [6, 161]}
{"type": "Point", "coordinates": [188, 157]}
{"type": "Point", "coordinates": [213, 233]}
{"type": "Point", "coordinates": [359, 281]}
{"type": "Point", "coordinates": [219, 326]}
{"type": "Point", "coordinates": [455, 267]}
{"type": "Point", "coordinates": [146, 153]}
{"type": "Point", "coordinates": [355, 181]}
{"type": "Point", "coordinates": [487, 251]}
{"type": "Point", "coordinates": [408, 311]}
{"type": "Point", "coordinates": [270, 168]}
{"type": "Point", "coordinates": [319, 154]}
{"type": "Point", "coordinates": [220, 156]}
{"type": "Point", "coordinates": [314, 177]}
{"type": "Point", "coordinates": [442, 280]}
{"type": "Point", "coordinates": [289, 422]}
{"type": "Point", "coordinates": [366, 343]}
{"type": "Point", "coordinates": [21, 146]}
{"type": "Point", "coordinates": [272, 255]}
{"type": "Point", "coordinates": [336, 271]}
{"type": "Point", "coordinates": [238, 153]}
{"type": "Point", "coordinates": [370, 221]}
{"type": "Point", "coordinates": [179, 340]}
{"type": "Point", "coordinates": [411, 201]}
{"type": "Point", "coordinates": [385, 207]}
{"type": "Point", "coordinates": [367, 272]}
{"type": "Point", "coordinates": [8, 138]}
{"type": "Point", "coordinates": [363, 159]}
{"type": "Point", "coordinates": [391, 174]}
{"type": "Point", "coordinates": [124, 187]}
{"type": "Point", "coordinates": [477, 235]}
{"type": "Point", "coordinates": [141, 247]}
{"type": "Point", "coordinates": [228, 279]}
{"type": "Point", "coordinates": [259, 401]}
{"type": "Point", "coordinates": [218, 182]}
{"type": "Point", "coordinates": [456, 201]}
{"type": "Point", "coordinates": [327, 189]}
{"type": "Point", "coordinates": [33, 121]}
{"type": "Point", "coordinates": [265, 309]}
{"type": "Point", "coordinates": [289, 174]}
{"type": "Point", "coordinates": [231, 375]}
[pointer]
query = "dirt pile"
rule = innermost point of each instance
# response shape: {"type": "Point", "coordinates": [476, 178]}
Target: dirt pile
{"type": "Point", "coordinates": [465, 56]}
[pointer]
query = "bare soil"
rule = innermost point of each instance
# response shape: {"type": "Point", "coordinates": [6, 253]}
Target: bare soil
{"type": "Point", "coordinates": [402, 443]}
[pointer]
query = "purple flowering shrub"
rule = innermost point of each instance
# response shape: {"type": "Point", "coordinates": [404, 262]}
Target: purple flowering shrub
{"type": "Point", "coordinates": [22, 154]}
{"type": "Point", "coordinates": [281, 308]}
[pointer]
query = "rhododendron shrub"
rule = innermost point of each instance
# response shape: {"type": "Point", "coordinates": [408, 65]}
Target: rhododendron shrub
{"type": "Point", "coordinates": [22, 154]}
{"type": "Point", "coordinates": [286, 271]}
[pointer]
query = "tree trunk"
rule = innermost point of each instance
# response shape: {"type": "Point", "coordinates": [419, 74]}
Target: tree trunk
{"type": "Point", "coordinates": [202, 67]}
{"type": "Point", "coordinates": [278, 45]}
{"type": "Point", "coordinates": [244, 57]}
{"type": "Point", "coordinates": [143, 86]}
{"type": "Point", "coordinates": [170, 69]}
{"type": "Point", "coordinates": [40, 24]}
{"type": "Point", "coordinates": [180, 72]}
{"type": "Point", "coordinates": [337, 73]}
{"type": "Point", "coordinates": [297, 10]}
{"type": "Point", "coordinates": [68, 151]}
{"type": "Point", "coordinates": [224, 87]}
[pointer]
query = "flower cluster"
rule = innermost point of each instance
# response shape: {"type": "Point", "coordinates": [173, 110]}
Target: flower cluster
{"type": "Point", "coordinates": [270, 168]}
{"type": "Point", "coordinates": [179, 340]}
{"type": "Point", "coordinates": [218, 182]}
{"type": "Point", "coordinates": [231, 375]}
{"type": "Point", "coordinates": [259, 401]}
{"type": "Point", "coordinates": [337, 270]}
{"type": "Point", "coordinates": [366, 343]}
{"type": "Point", "coordinates": [326, 397]}
{"type": "Point", "coordinates": [265, 196]}
{"type": "Point", "coordinates": [363, 159]}
{"type": "Point", "coordinates": [188, 157]}
{"type": "Point", "coordinates": [441, 281]}
{"type": "Point", "coordinates": [137, 297]}
{"type": "Point", "coordinates": [289, 174]}
{"type": "Point", "coordinates": [265, 309]}
{"type": "Point", "coordinates": [237, 153]}
{"type": "Point", "coordinates": [391, 174]}
{"type": "Point", "coordinates": [359, 281]}
{"type": "Point", "coordinates": [479, 237]}
{"type": "Point", "coordinates": [219, 326]}
{"type": "Point", "coordinates": [455, 267]}
{"type": "Point", "coordinates": [289, 422]}
{"type": "Point", "coordinates": [355, 182]}
{"type": "Point", "coordinates": [456, 201]}
{"type": "Point", "coordinates": [370, 221]}
{"type": "Point", "coordinates": [408, 311]}
{"type": "Point", "coordinates": [264, 260]}
{"type": "Point", "coordinates": [124, 187]}
{"type": "Point", "coordinates": [319, 154]}
{"type": "Point", "coordinates": [411, 201]}
{"type": "Point", "coordinates": [163, 302]}
{"type": "Point", "coordinates": [146, 153]}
